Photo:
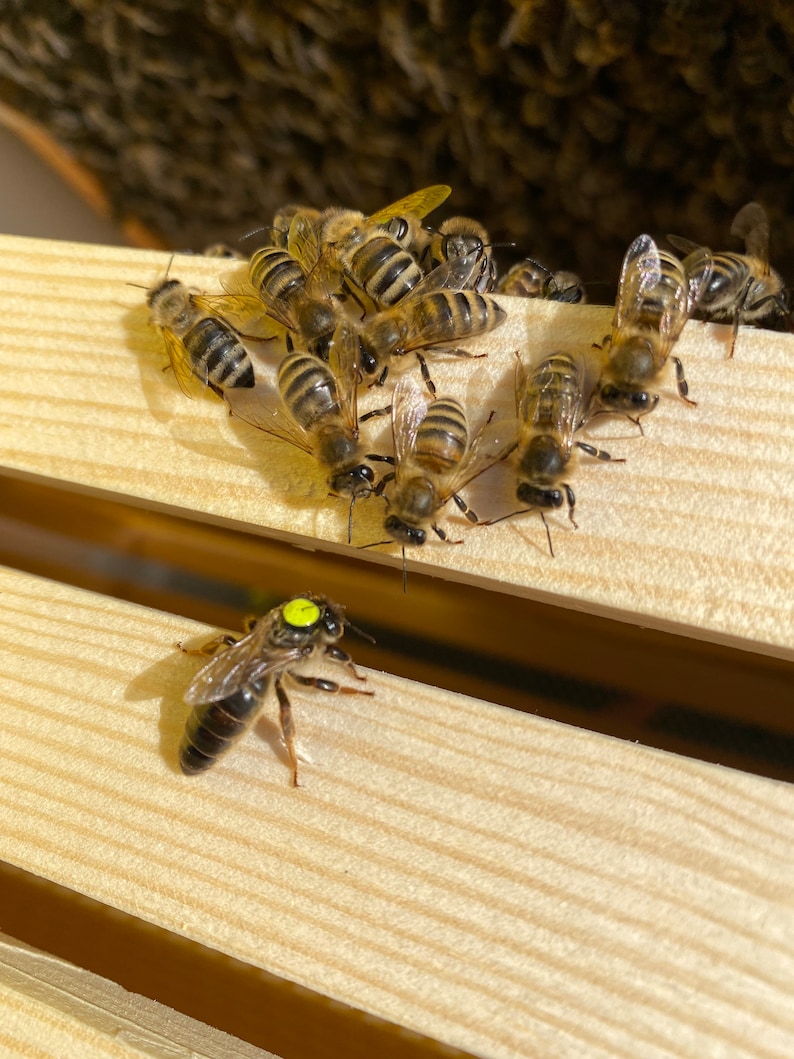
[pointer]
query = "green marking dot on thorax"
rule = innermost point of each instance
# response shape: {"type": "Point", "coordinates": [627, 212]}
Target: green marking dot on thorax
{"type": "Point", "coordinates": [301, 613]}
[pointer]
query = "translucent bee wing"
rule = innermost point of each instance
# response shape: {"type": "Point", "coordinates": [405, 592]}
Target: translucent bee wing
{"type": "Point", "coordinates": [752, 225]}
{"type": "Point", "coordinates": [417, 204]}
{"type": "Point", "coordinates": [303, 241]}
{"type": "Point", "coordinates": [249, 659]}
{"type": "Point", "coordinates": [343, 357]}
{"type": "Point", "coordinates": [409, 408]}
{"type": "Point", "coordinates": [181, 363]}
{"type": "Point", "coordinates": [495, 440]}
{"type": "Point", "coordinates": [639, 274]}
{"type": "Point", "coordinates": [262, 407]}
{"type": "Point", "coordinates": [453, 274]}
{"type": "Point", "coordinates": [243, 313]}
{"type": "Point", "coordinates": [682, 245]}
{"type": "Point", "coordinates": [698, 266]}
{"type": "Point", "coordinates": [541, 388]}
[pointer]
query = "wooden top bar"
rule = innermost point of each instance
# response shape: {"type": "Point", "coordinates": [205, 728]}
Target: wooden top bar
{"type": "Point", "coordinates": [503, 884]}
{"type": "Point", "coordinates": [692, 534]}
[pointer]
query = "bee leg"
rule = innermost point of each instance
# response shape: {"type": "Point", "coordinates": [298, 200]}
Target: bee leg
{"type": "Point", "coordinates": [211, 647]}
{"type": "Point", "coordinates": [331, 686]}
{"type": "Point", "coordinates": [442, 535]}
{"type": "Point", "coordinates": [287, 728]}
{"type": "Point", "coordinates": [680, 380]}
{"type": "Point", "coordinates": [737, 315]}
{"type": "Point", "coordinates": [464, 507]}
{"type": "Point", "coordinates": [426, 373]}
{"type": "Point", "coordinates": [571, 504]}
{"type": "Point", "coordinates": [375, 412]}
{"type": "Point", "coordinates": [338, 655]}
{"type": "Point", "coordinates": [598, 454]}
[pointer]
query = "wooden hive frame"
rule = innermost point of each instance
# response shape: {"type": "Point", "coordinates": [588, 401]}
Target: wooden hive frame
{"type": "Point", "coordinates": [452, 875]}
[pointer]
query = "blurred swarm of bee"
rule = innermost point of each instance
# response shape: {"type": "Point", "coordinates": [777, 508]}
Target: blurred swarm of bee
{"type": "Point", "coordinates": [565, 127]}
{"type": "Point", "coordinates": [353, 299]}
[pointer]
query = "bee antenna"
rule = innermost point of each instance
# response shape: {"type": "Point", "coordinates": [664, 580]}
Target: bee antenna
{"type": "Point", "coordinates": [256, 231]}
{"type": "Point", "coordinates": [359, 632]}
{"type": "Point", "coordinates": [548, 533]}
{"type": "Point", "coordinates": [373, 544]}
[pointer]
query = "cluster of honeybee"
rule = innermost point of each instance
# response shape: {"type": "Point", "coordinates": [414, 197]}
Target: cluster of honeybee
{"type": "Point", "coordinates": [350, 295]}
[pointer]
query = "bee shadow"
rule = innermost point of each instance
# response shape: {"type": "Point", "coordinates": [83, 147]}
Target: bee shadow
{"type": "Point", "coordinates": [167, 680]}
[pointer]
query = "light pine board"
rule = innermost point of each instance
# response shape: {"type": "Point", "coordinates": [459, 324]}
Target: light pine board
{"type": "Point", "coordinates": [691, 534]}
{"type": "Point", "coordinates": [51, 1008]}
{"type": "Point", "coordinates": [503, 884]}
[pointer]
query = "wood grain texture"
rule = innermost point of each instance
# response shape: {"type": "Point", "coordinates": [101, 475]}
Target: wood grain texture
{"type": "Point", "coordinates": [51, 1008]}
{"type": "Point", "coordinates": [692, 534]}
{"type": "Point", "coordinates": [503, 884]}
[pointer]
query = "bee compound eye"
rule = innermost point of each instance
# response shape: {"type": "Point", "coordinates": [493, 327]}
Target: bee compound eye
{"type": "Point", "coordinates": [301, 613]}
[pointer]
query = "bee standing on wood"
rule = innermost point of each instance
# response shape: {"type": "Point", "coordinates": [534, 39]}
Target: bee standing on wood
{"type": "Point", "coordinates": [434, 316]}
{"type": "Point", "coordinates": [742, 288]}
{"type": "Point", "coordinates": [657, 294]}
{"type": "Point", "coordinates": [434, 457]}
{"type": "Point", "coordinates": [551, 398]}
{"type": "Point", "coordinates": [200, 345]}
{"type": "Point", "coordinates": [315, 408]}
{"type": "Point", "coordinates": [228, 693]}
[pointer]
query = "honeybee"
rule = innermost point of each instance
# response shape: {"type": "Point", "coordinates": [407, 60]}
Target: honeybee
{"type": "Point", "coordinates": [551, 399]}
{"type": "Point", "coordinates": [281, 282]}
{"type": "Point", "coordinates": [435, 315]}
{"type": "Point", "coordinates": [314, 407]}
{"type": "Point", "coordinates": [275, 300]}
{"type": "Point", "coordinates": [229, 691]}
{"type": "Point", "coordinates": [363, 249]}
{"type": "Point", "coordinates": [459, 237]}
{"type": "Point", "coordinates": [338, 224]}
{"type": "Point", "coordinates": [530, 279]}
{"type": "Point", "coordinates": [741, 287]}
{"type": "Point", "coordinates": [199, 344]}
{"type": "Point", "coordinates": [434, 457]}
{"type": "Point", "coordinates": [657, 294]}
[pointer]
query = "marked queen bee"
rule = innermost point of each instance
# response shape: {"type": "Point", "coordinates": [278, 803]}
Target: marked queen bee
{"type": "Point", "coordinates": [228, 693]}
{"type": "Point", "coordinates": [657, 294]}
{"type": "Point", "coordinates": [743, 288]}
{"type": "Point", "coordinates": [200, 345]}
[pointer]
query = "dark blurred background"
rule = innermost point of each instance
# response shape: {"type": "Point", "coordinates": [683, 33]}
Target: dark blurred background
{"type": "Point", "coordinates": [565, 127]}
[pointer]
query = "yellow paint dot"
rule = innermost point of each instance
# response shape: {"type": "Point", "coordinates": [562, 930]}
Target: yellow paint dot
{"type": "Point", "coordinates": [301, 613]}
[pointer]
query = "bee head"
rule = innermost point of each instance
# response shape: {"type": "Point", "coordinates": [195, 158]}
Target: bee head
{"type": "Point", "coordinates": [353, 482]}
{"type": "Point", "coordinates": [537, 496]}
{"type": "Point", "coordinates": [403, 533]}
{"type": "Point", "coordinates": [632, 402]}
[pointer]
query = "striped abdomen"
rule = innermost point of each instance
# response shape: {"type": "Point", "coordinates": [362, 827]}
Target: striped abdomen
{"type": "Point", "coordinates": [448, 315]}
{"type": "Point", "coordinates": [278, 276]}
{"type": "Point", "coordinates": [442, 438]}
{"type": "Point", "coordinates": [213, 727]}
{"type": "Point", "coordinates": [216, 354]}
{"type": "Point", "coordinates": [383, 269]}
{"type": "Point", "coordinates": [308, 389]}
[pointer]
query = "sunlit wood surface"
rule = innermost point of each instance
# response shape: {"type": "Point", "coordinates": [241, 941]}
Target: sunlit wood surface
{"type": "Point", "coordinates": [500, 883]}
{"type": "Point", "coordinates": [691, 534]}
